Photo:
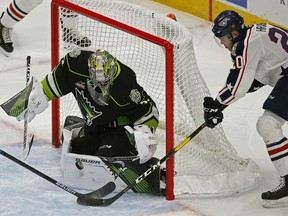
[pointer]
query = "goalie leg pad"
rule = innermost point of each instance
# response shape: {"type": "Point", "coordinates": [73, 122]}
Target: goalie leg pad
{"type": "Point", "coordinates": [133, 170]}
{"type": "Point", "coordinates": [154, 178]}
{"type": "Point", "coordinates": [70, 131]}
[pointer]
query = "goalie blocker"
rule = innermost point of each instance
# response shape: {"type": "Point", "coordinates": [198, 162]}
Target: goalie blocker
{"type": "Point", "coordinates": [89, 172]}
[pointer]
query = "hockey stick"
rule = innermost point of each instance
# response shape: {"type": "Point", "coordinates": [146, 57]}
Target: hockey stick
{"type": "Point", "coordinates": [26, 145]}
{"type": "Point", "coordinates": [87, 199]}
{"type": "Point", "coordinates": [109, 201]}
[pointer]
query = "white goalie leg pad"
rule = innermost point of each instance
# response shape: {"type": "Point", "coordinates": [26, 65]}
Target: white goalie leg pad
{"type": "Point", "coordinates": [68, 136]}
{"type": "Point", "coordinates": [89, 172]}
{"type": "Point", "coordinates": [85, 171]}
{"type": "Point", "coordinates": [145, 141]}
{"type": "Point", "coordinates": [269, 126]}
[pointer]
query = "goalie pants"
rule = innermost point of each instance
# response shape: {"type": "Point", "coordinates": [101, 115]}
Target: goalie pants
{"type": "Point", "coordinates": [111, 142]}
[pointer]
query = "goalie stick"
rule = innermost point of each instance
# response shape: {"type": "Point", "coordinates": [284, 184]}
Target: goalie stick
{"type": "Point", "coordinates": [109, 201]}
{"type": "Point", "coordinates": [87, 199]}
{"type": "Point", "coordinates": [27, 145]}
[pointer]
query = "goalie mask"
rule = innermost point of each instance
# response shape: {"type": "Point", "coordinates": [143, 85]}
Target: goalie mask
{"type": "Point", "coordinates": [102, 71]}
{"type": "Point", "coordinates": [102, 68]}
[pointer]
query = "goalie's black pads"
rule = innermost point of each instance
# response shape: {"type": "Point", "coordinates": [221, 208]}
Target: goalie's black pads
{"type": "Point", "coordinates": [133, 170]}
{"type": "Point", "coordinates": [72, 122]}
{"type": "Point", "coordinates": [154, 178]}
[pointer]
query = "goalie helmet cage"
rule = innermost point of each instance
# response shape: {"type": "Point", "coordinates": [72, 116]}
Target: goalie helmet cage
{"type": "Point", "coordinates": [160, 51]}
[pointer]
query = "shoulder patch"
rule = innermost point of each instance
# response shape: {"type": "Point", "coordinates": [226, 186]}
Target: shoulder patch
{"type": "Point", "coordinates": [135, 96]}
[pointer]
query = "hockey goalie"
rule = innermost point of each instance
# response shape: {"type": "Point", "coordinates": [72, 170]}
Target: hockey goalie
{"type": "Point", "coordinates": [118, 122]}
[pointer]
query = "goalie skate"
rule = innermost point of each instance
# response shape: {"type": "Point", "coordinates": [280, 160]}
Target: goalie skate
{"type": "Point", "coordinates": [277, 197]}
{"type": "Point", "coordinates": [6, 43]}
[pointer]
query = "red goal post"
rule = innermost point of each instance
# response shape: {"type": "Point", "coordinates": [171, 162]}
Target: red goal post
{"type": "Point", "coordinates": [160, 51]}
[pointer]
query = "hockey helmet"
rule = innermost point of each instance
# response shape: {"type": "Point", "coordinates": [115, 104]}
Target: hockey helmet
{"type": "Point", "coordinates": [226, 22]}
{"type": "Point", "coordinates": [102, 68]}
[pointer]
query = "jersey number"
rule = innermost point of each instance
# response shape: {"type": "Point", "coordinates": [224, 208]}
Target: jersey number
{"type": "Point", "coordinates": [239, 62]}
{"type": "Point", "coordinates": [277, 35]}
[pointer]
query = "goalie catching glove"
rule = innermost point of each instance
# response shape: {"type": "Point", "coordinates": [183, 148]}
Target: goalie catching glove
{"type": "Point", "coordinates": [144, 141]}
{"type": "Point", "coordinates": [37, 102]}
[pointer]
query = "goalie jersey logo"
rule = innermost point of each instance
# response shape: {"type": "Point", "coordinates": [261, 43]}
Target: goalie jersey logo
{"type": "Point", "coordinates": [135, 96]}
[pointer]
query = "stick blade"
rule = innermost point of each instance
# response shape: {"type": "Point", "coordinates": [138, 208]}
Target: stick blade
{"type": "Point", "coordinates": [89, 201]}
{"type": "Point", "coordinates": [94, 198]}
{"type": "Point", "coordinates": [103, 191]}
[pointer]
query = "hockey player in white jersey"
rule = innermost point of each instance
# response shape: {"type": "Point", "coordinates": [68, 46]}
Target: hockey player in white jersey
{"type": "Point", "coordinates": [19, 9]}
{"type": "Point", "coordinates": [260, 57]}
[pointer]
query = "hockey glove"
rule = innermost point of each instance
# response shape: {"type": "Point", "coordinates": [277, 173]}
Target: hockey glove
{"type": "Point", "coordinates": [212, 112]}
{"type": "Point", "coordinates": [144, 140]}
{"type": "Point", "coordinates": [37, 102]}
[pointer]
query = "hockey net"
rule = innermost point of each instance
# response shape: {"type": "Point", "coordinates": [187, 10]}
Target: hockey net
{"type": "Point", "coordinates": [160, 51]}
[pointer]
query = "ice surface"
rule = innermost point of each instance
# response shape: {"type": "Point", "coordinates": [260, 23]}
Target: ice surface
{"type": "Point", "coordinates": [25, 194]}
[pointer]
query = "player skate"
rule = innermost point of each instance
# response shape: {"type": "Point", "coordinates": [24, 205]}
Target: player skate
{"type": "Point", "coordinates": [277, 197]}
{"type": "Point", "coordinates": [6, 43]}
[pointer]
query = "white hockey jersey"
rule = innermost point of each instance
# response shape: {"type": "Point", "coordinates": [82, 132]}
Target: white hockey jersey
{"type": "Point", "coordinates": [260, 56]}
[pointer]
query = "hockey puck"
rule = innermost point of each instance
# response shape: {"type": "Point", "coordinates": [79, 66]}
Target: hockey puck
{"type": "Point", "coordinates": [79, 164]}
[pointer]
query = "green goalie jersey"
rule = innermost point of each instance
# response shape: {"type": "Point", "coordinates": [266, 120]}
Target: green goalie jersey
{"type": "Point", "coordinates": [126, 102]}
